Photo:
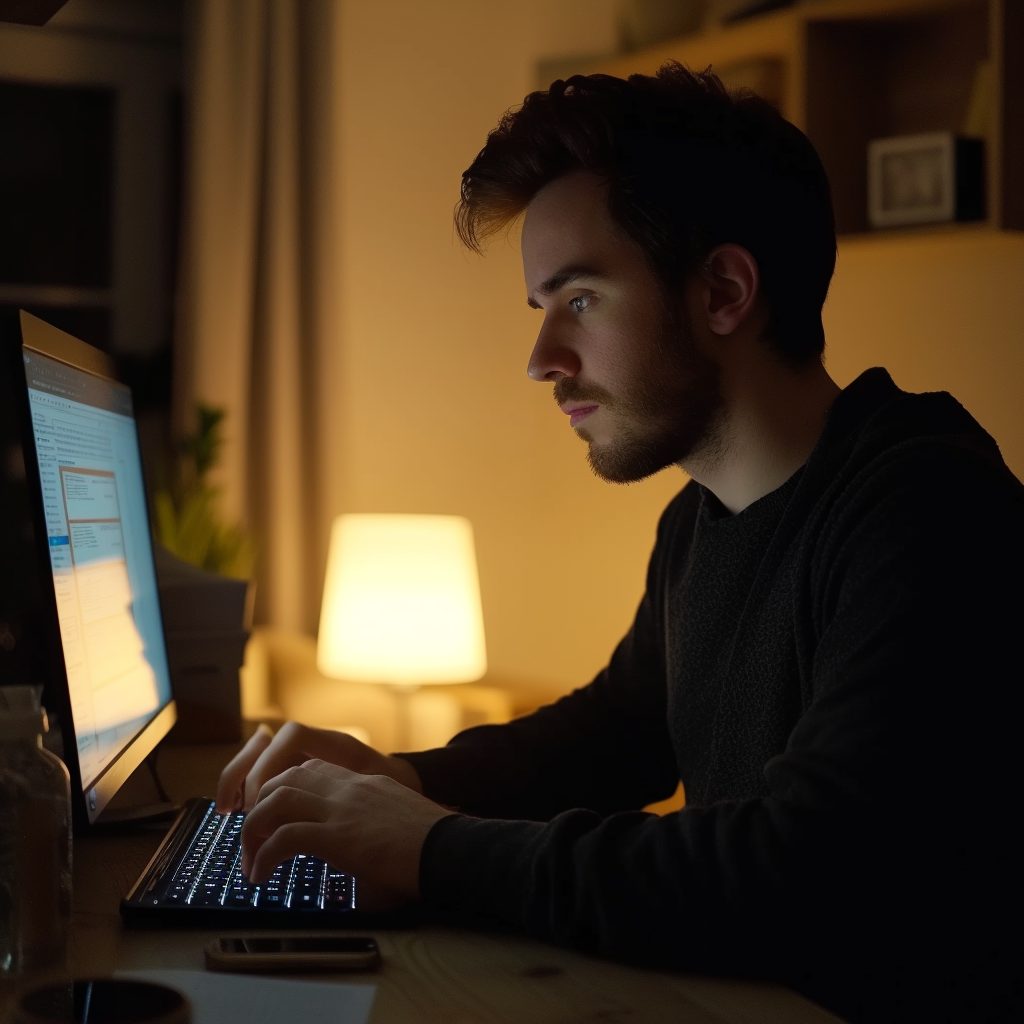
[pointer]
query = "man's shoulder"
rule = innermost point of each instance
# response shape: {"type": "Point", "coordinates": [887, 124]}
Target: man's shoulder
{"type": "Point", "coordinates": [873, 412]}
{"type": "Point", "coordinates": [910, 462]}
{"type": "Point", "coordinates": [880, 431]}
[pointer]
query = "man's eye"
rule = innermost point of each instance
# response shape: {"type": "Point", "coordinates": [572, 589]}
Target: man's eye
{"type": "Point", "coordinates": [580, 303]}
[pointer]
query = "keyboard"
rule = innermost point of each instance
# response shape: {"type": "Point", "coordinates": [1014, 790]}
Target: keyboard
{"type": "Point", "coordinates": [197, 873]}
{"type": "Point", "coordinates": [210, 874]}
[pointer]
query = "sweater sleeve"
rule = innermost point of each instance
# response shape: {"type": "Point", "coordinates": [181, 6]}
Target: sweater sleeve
{"type": "Point", "coordinates": [604, 746]}
{"type": "Point", "coordinates": [887, 796]}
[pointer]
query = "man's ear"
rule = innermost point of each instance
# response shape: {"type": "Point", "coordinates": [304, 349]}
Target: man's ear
{"type": "Point", "coordinates": [731, 286]}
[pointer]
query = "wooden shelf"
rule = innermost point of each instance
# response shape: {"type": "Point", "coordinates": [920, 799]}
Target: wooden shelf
{"type": "Point", "coordinates": [957, 230]}
{"type": "Point", "coordinates": [848, 71]}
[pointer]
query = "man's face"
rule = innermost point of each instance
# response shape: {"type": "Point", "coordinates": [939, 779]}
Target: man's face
{"type": "Point", "coordinates": [622, 355]}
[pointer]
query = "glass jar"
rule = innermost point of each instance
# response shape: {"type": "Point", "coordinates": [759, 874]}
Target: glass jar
{"type": "Point", "coordinates": [35, 839]}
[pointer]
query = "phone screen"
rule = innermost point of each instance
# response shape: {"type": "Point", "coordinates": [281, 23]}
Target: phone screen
{"type": "Point", "coordinates": [353, 944]}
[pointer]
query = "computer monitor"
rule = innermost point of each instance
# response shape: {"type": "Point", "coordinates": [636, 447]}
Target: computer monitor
{"type": "Point", "coordinates": [109, 670]}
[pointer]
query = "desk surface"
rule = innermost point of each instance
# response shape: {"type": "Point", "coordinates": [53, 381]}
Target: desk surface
{"type": "Point", "coordinates": [429, 974]}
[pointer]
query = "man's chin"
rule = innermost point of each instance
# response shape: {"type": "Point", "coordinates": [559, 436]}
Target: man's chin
{"type": "Point", "coordinates": [626, 463]}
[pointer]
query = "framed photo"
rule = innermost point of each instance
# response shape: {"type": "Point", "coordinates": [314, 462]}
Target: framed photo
{"type": "Point", "coordinates": [925, 179]}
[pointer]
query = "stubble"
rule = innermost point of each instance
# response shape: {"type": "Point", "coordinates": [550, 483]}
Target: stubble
{"type": "Point", "coordinates": [668, 411]}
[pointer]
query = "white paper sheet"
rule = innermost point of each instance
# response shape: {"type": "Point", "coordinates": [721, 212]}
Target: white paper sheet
{"type": "Point", "coordinates": [218, 997]}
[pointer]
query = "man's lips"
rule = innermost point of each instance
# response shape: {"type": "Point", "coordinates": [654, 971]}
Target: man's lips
{"type": "Point", "coordinates": [578, 413]}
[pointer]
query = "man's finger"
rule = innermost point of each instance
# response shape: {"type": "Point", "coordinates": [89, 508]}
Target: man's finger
{"type": "Point", "coordinates": [231, 787]}
{"type": "Point", "coordinates": [296, 837]}
{"type": "Point", "coordinates": [313, 775]}
{"type": "Point", "coordinates": [284, 806]}
{"type": "Point", "coordinates": [293, 745]}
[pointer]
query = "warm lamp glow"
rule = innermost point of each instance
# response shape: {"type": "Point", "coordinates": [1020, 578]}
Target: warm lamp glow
{"type": "Point", "coordinates": [401, 601]}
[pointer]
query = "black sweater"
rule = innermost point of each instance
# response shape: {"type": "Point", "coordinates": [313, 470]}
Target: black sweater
{"type": "Point", "coordinates": [834, 674]}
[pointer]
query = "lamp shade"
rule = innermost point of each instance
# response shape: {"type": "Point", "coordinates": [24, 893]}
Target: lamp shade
{"type": "Point", "coordinates": [401, 601]}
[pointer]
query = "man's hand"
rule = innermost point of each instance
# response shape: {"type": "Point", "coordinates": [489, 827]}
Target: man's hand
{"type": "Point", "coordinates": [265, 756]}
{"type": "Point", "coordinates": [367, 825]}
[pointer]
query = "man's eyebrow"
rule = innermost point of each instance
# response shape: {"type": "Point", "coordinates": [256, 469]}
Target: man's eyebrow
{"type": "Point", "coordinates": [560, 278]}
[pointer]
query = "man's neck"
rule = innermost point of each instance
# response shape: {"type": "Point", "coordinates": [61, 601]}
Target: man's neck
{"type": "Point", "coordinates": [772, 419]}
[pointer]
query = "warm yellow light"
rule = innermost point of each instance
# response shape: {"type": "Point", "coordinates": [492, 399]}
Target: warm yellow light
{"type": "Point", "coordinates": [401, 601]}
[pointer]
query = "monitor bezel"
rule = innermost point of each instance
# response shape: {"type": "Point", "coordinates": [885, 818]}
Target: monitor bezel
{"type": "Point", "coordinates": [41, 338]}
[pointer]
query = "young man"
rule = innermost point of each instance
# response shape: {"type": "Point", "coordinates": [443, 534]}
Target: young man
{"type": "Point", "coordinates": [824, 654]}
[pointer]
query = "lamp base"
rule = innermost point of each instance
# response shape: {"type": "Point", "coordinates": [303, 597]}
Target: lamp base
{"type": "Point", "coordinates": [404, 693]}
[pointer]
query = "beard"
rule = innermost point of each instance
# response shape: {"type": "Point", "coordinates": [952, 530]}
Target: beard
{"type": "Point", "coordinates": [668, 411]}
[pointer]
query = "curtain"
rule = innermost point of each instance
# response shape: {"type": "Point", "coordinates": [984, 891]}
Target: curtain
{"type": "Point", "coordinates": [257, 324]}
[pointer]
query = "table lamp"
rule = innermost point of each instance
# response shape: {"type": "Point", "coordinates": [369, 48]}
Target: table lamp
{"type": "Point", "coordinates": [401, 604]}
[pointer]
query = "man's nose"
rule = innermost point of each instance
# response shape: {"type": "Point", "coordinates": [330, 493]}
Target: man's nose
{"type": "Point", "coordinates": [552, 359]}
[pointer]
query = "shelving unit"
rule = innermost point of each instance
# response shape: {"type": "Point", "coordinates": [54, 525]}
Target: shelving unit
{"type": "Point", "coordinates": [848, 71]}
{"type": "Point", "coordinates": [90, 133]}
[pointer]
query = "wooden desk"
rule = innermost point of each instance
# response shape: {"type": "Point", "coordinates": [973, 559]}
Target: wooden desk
{"type": "Point", "coordinates": [429, 974]}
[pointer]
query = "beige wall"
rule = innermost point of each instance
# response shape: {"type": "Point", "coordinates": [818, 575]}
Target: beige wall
{"type": "Point", "coordinates": [942, 313]}
{"type": "Point", "coordinates": [439, 413]}
{"type": "Point", "coordinates": [440, 416]}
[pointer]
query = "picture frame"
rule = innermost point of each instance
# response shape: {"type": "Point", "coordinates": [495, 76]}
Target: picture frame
{"type": "Point", "coordinates": [930, 178]}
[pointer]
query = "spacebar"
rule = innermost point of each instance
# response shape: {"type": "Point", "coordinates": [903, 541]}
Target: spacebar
{"type": "Point", "coordinates": [209, 898]}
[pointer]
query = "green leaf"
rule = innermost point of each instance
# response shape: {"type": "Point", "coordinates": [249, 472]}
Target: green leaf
{"type": "Point", "coordinates": [186, 515]}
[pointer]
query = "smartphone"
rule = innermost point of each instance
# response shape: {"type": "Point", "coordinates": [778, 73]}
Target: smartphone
{"type": "Point", "coordinates": [293, 953]}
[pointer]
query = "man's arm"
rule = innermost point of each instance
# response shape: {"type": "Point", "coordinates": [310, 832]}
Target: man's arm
{"type": "Point", "coordinates": [604, 747]}
{"type": "Point", "coordinates": [885, 834]}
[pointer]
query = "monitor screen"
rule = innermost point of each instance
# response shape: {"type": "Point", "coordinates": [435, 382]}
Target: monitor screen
{"type": "Point", "coordinates": [101, 559]}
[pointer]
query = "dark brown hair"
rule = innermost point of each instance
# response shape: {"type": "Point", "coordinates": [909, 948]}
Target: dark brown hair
{"type": "Point", "coordinates": [689, 166]}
